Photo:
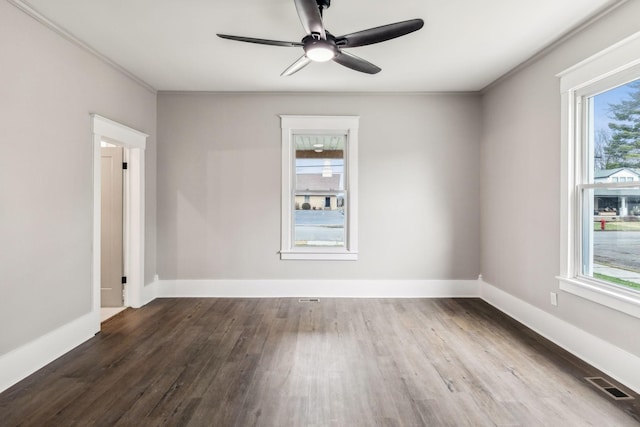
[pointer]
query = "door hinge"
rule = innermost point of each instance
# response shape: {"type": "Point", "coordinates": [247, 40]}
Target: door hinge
{"type": "Point", "coordinates": [125, 165]}
{"type": "Point", "coordinates": [124, 280]}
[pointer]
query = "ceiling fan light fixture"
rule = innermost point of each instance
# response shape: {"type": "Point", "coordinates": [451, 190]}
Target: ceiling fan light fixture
{"type": "Point", "coordinates": [320, 50]}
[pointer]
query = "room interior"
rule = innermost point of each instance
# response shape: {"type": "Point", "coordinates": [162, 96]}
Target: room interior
{"type": "Point", "coordinates": [459, 161]}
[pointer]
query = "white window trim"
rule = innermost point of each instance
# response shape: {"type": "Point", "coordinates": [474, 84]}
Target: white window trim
{"type": "Point", "coordinates": [618, 64]}
{"type": "Point", "coordinates": [290, 126]}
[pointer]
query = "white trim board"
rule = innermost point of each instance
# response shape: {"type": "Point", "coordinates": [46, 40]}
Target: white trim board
{"type": "Point", "coordinates": [27, 359]}
{"type": "Point", "coordinates": [613, 361]}
{"type": "Point", "coordinates": [149, 291]}
{"type": "Point", "coordinates": [346, 126]}
{"type": "Point", "coordinates": [608, 358]}
{"type": "Point", "coordinates": [611, 67]}
{"type": "Point", "coordinates": [134, 142]}
{"type": "Point", "coordinates": [619, 364]}
{"type": "Point", "coordinates": [317, 288]}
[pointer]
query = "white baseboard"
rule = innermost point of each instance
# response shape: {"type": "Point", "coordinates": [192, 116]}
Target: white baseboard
{"type": "Point", "coordinates": [149, 292]}
{"type": "Point", "coordinates": [619, 364]}
{"type": "Point", "coordinates": [24, 361]}
{"type": "Point", "coordinates": [614, 361]}
{"type": "Point", "coordinates": [317, 288]}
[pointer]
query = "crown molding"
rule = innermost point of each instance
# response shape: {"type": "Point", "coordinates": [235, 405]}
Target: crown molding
{"type": "Point", "coordinates": [318, 93]}
{"type": "Point", "coordinates": [32, 12]}
{"type": "Point", "coordinates": [605, 10]}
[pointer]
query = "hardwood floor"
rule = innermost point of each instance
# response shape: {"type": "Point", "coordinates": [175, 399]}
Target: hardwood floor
{"type": "Point", "coordinates": [337, 362]}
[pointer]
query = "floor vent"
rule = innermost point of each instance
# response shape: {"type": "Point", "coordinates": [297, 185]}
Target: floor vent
{"type": "Point", "coordinates": [308, 299]}
{"type": "Point", "coordinates": [611, 390]}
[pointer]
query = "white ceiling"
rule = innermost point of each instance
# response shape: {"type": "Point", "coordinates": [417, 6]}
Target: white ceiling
{"type": "Point", "coordinates": [172, 44]}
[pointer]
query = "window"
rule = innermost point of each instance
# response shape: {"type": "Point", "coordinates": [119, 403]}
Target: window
{"type": "Point", "coordinates": [610, 218]}
{"type": "Point", "coordinates": [319, 187]}
{"type": "Point", "coordinates": [318, 216]}
{"type": "Point", "coordinates": [601, 165]}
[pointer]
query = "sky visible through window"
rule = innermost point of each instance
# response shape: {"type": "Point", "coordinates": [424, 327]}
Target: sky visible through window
{"type": "Point", "coordinates": [602, 104]}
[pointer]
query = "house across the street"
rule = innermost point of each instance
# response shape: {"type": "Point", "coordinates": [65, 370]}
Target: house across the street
{"type": "Point", "coordinates": [617, 202]}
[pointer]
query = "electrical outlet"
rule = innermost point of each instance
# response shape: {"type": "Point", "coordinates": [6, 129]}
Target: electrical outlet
{"type": "Point", "coordinates": [554, 298]}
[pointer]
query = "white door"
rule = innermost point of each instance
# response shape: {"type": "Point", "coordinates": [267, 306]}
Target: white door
{"type": "Point", "coordinates": [111, 265]}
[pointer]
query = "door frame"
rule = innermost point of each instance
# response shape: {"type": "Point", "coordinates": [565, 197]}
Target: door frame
{"type": "Point", "coordinates": [134, 143]}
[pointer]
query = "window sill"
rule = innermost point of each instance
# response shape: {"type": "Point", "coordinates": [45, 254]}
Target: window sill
{"type": "Point", "coordinates": [319, 256]}
{"type": "Point", "coordinates": [627, 302]}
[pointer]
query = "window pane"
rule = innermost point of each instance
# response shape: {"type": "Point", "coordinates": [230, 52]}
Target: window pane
{"type": "Point", "coordinates": [614, 134]}
{"type": "Point", "coordinates": [611, 236]}
{"type": "Point", "coordinates": [319, 220]}
{"type": "Point", "coordinates": [320, 162]}
{"type": "Point", "coordinates": [611, 216]}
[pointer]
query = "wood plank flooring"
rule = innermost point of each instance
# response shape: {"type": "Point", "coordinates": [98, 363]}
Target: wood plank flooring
{"type": "Point", "coordinates": [337, 362]}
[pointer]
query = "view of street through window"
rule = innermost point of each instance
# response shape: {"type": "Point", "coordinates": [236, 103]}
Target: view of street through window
{"type": "Point", "coordinates": [320, 227]}
{"type": "Point", "coordinates": [611, 237]}
{"type": "Point", "coordinates": [320, 194]}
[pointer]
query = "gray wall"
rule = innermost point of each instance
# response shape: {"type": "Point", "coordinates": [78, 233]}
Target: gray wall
{"type": "Point", "coordinates": [521, 182]}
{"type": "Point", "coordinates": [423, 160]}
{"type": "Point", "coordinates": [48, 88]}
{"type": "Point", "coordinates": [219, 186]}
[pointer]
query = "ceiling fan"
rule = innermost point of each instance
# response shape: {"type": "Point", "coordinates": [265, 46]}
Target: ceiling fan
{"type": "Point", "coordinates": [319, 45]}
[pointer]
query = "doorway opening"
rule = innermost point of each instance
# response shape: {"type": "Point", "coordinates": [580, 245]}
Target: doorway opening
{"type": "Point", "coordinates": [112, 229]}
{"type": "Point", "coordinates": [132, 144]}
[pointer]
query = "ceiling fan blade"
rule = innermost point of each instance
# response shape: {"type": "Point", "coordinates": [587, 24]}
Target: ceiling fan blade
{"type": "Point", "coordinates": [351, 61]}
{"type": "Point", "coordinates": [260, 41]}
{"type": "Point", "coordinates": [379, 34]}
{"type": "Point", "coordinates": [296, 66]}
{"type": "Point", "coordinates": [310, 17]}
